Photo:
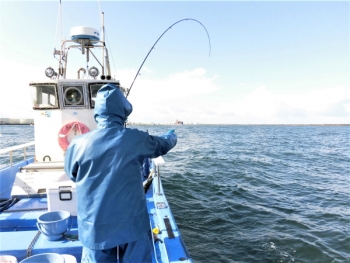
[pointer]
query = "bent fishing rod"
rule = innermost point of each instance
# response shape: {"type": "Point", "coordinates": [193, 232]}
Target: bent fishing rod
{"type": "Point", "coordinates": [149, 52]}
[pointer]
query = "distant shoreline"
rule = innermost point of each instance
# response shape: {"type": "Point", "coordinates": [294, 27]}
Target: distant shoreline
{"type": "Point", "coordinates": [14, 121]}
{"type": "Point", "coordinates": [218, 124]}
{"type": "Point", "coordinates": [13, 124]}
{"type": "Point", "coordinates": [204, 124]}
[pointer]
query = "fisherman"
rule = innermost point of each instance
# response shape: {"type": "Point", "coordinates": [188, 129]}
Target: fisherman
{"type": "Point", "coordinates": [105, 164]}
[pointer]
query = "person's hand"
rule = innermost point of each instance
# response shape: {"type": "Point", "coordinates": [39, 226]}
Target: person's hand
{"type": "Point", "coordinates": [171, 131]}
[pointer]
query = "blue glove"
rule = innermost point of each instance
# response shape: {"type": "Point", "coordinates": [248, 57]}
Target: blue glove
{"type": "Point", "coordinates": [171, 131]}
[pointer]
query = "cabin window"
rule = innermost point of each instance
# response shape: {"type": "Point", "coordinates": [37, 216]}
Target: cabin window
{"type": "Point", "coordinates": [44, 96]}
{"type": "Point", "coordinates": [93, 93]}
{"type": "Point", "coordinates": [73, 96]}
{"type": "Point", "coordinates": [93, 88]}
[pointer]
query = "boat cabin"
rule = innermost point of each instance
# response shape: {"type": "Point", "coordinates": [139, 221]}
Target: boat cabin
{"type": "Point", "coordinates": [58, 103]}
{"type": "Point", "coordinates": [64, 108]}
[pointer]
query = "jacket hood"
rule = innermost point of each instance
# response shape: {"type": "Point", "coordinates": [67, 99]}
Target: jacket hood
{"type": "Point", "coordinates": [111, 107]}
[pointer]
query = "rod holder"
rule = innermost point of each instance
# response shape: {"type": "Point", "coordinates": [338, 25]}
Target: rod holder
{"type": "Point", "coordinates": [158, 174]}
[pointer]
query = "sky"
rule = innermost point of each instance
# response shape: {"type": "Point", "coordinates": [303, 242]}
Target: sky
{"type": "Point", "coordinates": [271, 62]}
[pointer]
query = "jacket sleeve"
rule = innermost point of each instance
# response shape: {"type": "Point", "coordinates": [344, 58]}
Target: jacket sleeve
{"type": "Point", "coordinates": [155, 146]}
{"type": "Point", "coordinates": [71, 165]}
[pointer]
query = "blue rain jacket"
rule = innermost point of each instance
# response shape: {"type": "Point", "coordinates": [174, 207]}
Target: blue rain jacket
{"type": "Point", "coordinates": [105, 164]}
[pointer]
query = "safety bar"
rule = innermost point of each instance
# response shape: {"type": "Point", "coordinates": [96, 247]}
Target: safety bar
{"type": "Point", "coordinates": [159, 161]}
{"type": "Point", "coordinates": [38, 166]}
{"type": "Point", "coordinates": [17, 147]}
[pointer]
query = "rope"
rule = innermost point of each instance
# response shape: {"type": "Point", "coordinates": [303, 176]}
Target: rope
{"type": "Point", "coordinates": [71, 237]}
{"type": "Point", "coordinates": [65, 135]}
{"type": "Point", "coordinates": [29, 249]}
{"type": "Point", "coordinates": [25, 210]}
{"type": "Point", "coordinates": [7, 204]}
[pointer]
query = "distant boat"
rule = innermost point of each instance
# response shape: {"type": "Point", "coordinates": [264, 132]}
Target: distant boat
{"type": "Point", "coordinates": [179, 122]}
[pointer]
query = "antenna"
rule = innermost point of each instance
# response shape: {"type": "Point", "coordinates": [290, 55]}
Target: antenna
{"type": "Point", "coordinates": [61, 20]}
{"type": "Point", "coordinates": [58, 23]}
{"type": "Point", "coordinates": [103, 40]}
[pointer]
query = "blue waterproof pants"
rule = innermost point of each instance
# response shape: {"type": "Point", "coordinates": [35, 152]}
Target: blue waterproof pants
{"type": "Point", "coordinates": [134, 252]}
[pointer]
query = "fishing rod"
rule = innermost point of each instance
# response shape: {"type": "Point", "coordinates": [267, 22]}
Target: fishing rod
{"type": "Point", "coordinates": [185, 19]}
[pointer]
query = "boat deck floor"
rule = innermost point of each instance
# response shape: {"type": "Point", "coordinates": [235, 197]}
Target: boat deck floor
{"type": "Point", "coordinates": [20, 236]}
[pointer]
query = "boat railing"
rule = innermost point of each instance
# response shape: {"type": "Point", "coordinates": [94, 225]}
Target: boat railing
{"type": "Point", "coordinates": [17, 147]}
{"type": "Point", "coordinates": [159, 161]}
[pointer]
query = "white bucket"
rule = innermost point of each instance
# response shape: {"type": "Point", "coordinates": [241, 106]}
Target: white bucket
{"type": "Point", "coordinates": [8, 259]}
{"type": "Point", "coordinates": [69, 258]}
{"type": "Point", "coordinates": [45, 258]}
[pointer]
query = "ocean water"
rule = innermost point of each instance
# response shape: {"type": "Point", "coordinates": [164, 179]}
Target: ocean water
{"type": "Point", "coordinates": [253, 193]}
{"type": "Point", "coordinates": [12, 135]}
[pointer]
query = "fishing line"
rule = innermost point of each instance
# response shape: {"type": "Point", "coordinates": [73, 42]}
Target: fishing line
{"type": "Point", "coordinates": [185, 19]}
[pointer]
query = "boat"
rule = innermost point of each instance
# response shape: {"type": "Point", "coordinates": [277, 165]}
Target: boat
{"type": "Point", "coordinates": [63, 108]}
{"type": "Point", "coordinates": [177, 122]}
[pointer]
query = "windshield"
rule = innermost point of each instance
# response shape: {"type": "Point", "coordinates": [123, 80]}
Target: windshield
{"type": "Point", "coordinates": [44, 96]}
{"type": "Point", "coordinates": [93, 92]}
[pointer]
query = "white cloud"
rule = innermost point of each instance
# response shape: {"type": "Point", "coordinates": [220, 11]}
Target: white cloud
{"type": "Point", "coordinates": [176, 86]}
{"type": "Point", "coordinates": [261, 106]}
{"type": "Point", "coordinates": [178, 96]}
{"type": "Point", "coordinates": [319, 106]}
{"type": "Point", "coordinates": [15, 93]}
{"type": "Point", "coordinates": [188, 96]}
{"type": "Point", "coordinates": [164, 100]}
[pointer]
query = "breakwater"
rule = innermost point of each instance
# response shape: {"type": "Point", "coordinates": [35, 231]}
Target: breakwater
{"type": "Point", "coordinates": [9, 121]}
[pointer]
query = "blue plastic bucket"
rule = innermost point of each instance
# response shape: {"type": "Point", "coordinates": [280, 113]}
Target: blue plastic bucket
{"type": "Point", "coordinates": [54, 224]}
{"type": "Point", "coordinates": [44, 258]}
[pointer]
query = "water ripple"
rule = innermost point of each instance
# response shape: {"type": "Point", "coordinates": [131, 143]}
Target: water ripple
{"type": "Point", "coordinates": [258, 193]}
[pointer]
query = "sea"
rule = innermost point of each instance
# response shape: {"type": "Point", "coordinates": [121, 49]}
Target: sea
{"type": "Point", "coordinates": [255, 193]}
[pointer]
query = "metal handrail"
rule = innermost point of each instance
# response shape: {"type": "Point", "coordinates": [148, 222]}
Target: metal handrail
{"type": "Point", "coordinates": [159, 161]}
{"type": "Point", "coordinates": [17, 147]}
